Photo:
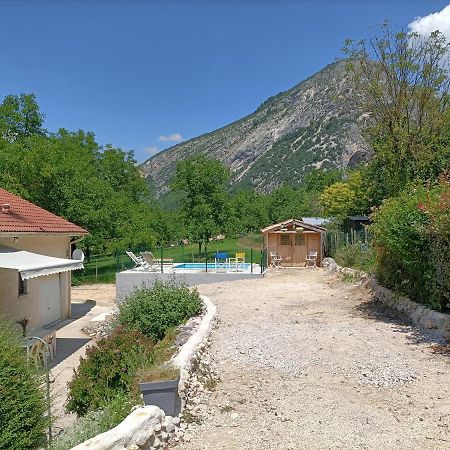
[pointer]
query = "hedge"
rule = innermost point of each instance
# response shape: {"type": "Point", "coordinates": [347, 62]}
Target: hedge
{"type": "Point", "coordinates": [23, 421]}
{"type": "Point", "coordinates": [412, 244]}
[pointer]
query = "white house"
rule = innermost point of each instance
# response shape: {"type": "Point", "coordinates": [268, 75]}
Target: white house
{"type": "Point", "coordinates": [35, 262]}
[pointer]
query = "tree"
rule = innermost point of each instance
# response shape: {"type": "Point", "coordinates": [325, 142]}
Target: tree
{"type": "Point", "coordinates": [20, 117]}
{"type": "Point", "coordinates": [404, 81]}
{"type": "Point", "coordinates": [69, 174]}
{"type": "Point", "coordinates": [204, 204]}
{"type": "Point", "coordinates": [342, 199]}
{"type": "Point", "coordinates": [249, 211]}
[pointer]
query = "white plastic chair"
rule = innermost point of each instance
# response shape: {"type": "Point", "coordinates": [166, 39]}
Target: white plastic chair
{"type": "Point", "coordinates": [311, 258]}
{"type": "Point", "coordinates": [275, 260]}
{"type": "Point", "coordinates": [139, 261]}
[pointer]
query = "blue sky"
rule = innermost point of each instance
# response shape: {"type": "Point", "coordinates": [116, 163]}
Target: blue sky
{"type": "Point", "coordinates": [143, 74]}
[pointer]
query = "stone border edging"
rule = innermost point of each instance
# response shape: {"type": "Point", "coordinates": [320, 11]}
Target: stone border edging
{"type": "Point", "coordinates": [436, 324]}
{"type": "Point", "coordinates": [147, 426]}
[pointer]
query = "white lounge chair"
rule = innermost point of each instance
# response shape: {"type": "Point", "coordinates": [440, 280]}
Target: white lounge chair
{"type": "Point", "coordinates": [139, 262]}
{"type": "Point", "coordinates": [275, 260]}
{"type": "Point", "coordinates": [311, 259]}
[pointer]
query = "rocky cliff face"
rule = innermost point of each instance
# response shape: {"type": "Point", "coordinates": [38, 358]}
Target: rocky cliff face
{"type": "Point", "coordinates": [316, 124]}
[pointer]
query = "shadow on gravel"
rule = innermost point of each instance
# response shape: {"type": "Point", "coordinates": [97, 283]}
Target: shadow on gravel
{"type": "Point", "coordinates": [375, 311]}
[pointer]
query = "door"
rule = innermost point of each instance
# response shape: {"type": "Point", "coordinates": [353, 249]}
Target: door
{"type": "Point", "coordinates": [50, 298]}
{"type": "Point", "coordinates": [299, 249]}
{"type": "Point", "coordinates": [286, 249]}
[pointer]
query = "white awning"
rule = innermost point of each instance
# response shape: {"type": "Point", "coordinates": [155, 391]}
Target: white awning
{"type": "Point", "coordinates": [31, 265]}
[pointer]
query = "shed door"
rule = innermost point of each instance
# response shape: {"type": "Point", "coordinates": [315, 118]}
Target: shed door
{"type": "Point", "coordinates": [286, 249]}
{"type": "Point", "coordinates": [299, 250]}
{"type": "Point", "coordinates": [50, 298]}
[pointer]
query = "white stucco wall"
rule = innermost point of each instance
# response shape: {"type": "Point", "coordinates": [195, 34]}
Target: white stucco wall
{"type": "Point", "coordinates": [17, 306]}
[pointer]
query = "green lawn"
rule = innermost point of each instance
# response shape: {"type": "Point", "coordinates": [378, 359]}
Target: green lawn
{"type": "Point", "coordinates": [102, 268]}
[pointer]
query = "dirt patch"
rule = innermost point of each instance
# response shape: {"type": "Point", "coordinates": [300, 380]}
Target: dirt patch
{"type": "Point", "coordinates": [307, 362]}
{"type": "Point", "coordinates": [101, 294]}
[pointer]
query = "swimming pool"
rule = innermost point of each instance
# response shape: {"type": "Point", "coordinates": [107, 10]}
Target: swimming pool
{"type": "Point", "coordinates": [211, 266]}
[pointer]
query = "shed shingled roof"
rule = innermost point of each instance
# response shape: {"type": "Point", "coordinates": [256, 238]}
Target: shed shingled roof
{"type": "Point", "coordinates": [297, 222]}
{"type": "Point", "coordinates": [26, 217]}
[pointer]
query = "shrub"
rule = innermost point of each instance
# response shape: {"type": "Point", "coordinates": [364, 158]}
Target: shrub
{"type": "Point", "coordinates": [22, 400]}
{"type": "Point", "coordinates": [411, 249]}
{"type": "Point", "coordinates": [93, 423]}
{"type": "Point", "coordinates": [109, 370]}
{"type": "Point", "coordinates": [154, 311]}
{"type": "Point", "coordinates": [359, 256]}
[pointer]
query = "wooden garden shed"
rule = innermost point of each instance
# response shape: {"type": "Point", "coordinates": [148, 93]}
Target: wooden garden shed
{"type": "Point", "coordinates": [291, 241]}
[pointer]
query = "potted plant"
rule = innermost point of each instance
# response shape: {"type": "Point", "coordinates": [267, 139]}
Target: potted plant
{"type": "Point", "coordinates": [159, 386]}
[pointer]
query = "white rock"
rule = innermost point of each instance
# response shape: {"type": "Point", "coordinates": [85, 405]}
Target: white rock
{"type": "Point", "coordinates": [136, 429]}
{"type": "Point", "coordinates": [168, 424]}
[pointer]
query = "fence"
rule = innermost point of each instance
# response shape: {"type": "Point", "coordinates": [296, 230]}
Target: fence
{"type": "Point", "coordinates": [102, 268]}
{"type": "Point", "coordinates": [337, 239]}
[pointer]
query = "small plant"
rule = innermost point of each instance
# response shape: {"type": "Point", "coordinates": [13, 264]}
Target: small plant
{"type": "Point", "coordinates": [349, 278]}
{"type": "Point", "coordinates": [210, 383]}
{"type": "Point", "coordinates": [154, 311]}
{"type": "Point", "coordinates": [94, 423]}
{"type": "Point", "coordinates": [188, 417]}
{"type": "Point", "coordinates": [158, 373]}
{"type": "Point", "coordinates": [226, 409]}
{"type": "Point", "coordinates": [23, 422]}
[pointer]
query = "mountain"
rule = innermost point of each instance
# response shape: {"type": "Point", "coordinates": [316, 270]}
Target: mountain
{"type": "Point", "coordinates": [315, 124]}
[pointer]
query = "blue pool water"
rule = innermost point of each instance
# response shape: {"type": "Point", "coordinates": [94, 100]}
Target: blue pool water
{"type": "Point", "coordinates": [212, 266]}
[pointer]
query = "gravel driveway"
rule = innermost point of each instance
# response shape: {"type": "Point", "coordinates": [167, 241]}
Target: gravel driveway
{"type": "Point", "coordinates": [307, 361]}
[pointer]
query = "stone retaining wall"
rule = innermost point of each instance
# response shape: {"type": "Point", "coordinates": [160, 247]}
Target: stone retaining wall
{"type": "Point", "coordinates": [147, 427]}
{"type": "Point", "coordinates": [436, 324]}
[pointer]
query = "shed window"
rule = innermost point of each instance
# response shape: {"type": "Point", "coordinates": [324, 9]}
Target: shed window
{"type": "Point", "coordinates": [299, 239]}
{"type": "Point", "coordinates": [22, 286]}
{"type": "Point", "coordinates": [285, 239]}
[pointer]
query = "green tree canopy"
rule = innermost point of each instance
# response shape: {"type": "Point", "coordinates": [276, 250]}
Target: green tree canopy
{"type": "Point", "coordinates": [404, 81]}
{"type": "Point", "coordinates": [20, 116]}
{"type": "Point", "coordinates": [204, 200]}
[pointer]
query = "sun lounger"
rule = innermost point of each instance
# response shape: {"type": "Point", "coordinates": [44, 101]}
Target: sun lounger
{"type": "Point", "coordinates": [139, 261]}
{"type": "Point", "coordinates": [151, 260]}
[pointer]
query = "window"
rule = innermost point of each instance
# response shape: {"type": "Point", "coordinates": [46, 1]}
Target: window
{"type": "Point", "coordinates": [285, 239]}
{"type": "Point", "coordinates": [299, 239]}
{"type": "Point", "coordinates": [23, 288]}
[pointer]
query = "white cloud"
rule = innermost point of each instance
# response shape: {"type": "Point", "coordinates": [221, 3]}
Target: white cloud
{"type": "Point", "coordinates": [435, 21]}
{"type": "Point", "coordinates": [151, 150]}
{"type": "Point", "coordinates": [175, 137]}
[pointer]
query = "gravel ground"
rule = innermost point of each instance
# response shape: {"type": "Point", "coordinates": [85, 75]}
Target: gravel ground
{"type": "Point", "coordinates": [307, 361]}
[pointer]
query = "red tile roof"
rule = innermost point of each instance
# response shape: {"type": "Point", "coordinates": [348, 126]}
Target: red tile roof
{"type": "Point", "coordinates": [22, 216]}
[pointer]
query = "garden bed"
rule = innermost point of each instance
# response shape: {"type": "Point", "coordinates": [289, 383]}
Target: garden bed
{"type": "Point", "coordinates": [147, 331]}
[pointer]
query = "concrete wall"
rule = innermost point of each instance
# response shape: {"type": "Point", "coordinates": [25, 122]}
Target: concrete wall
{"type": "Point", "coordinates": [28, 305]}
{"type": "Point", "coordinates": [127, 282]}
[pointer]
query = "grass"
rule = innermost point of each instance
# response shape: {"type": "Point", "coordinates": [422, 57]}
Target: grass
{"type": "Point", "coordinates": [103, 268]}
{"type": "Point", "coordinates": [162, 352]}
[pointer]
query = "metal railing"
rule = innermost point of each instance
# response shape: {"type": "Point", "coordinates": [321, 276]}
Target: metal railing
{"type": "Point", "coordinates": [103, 267]}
